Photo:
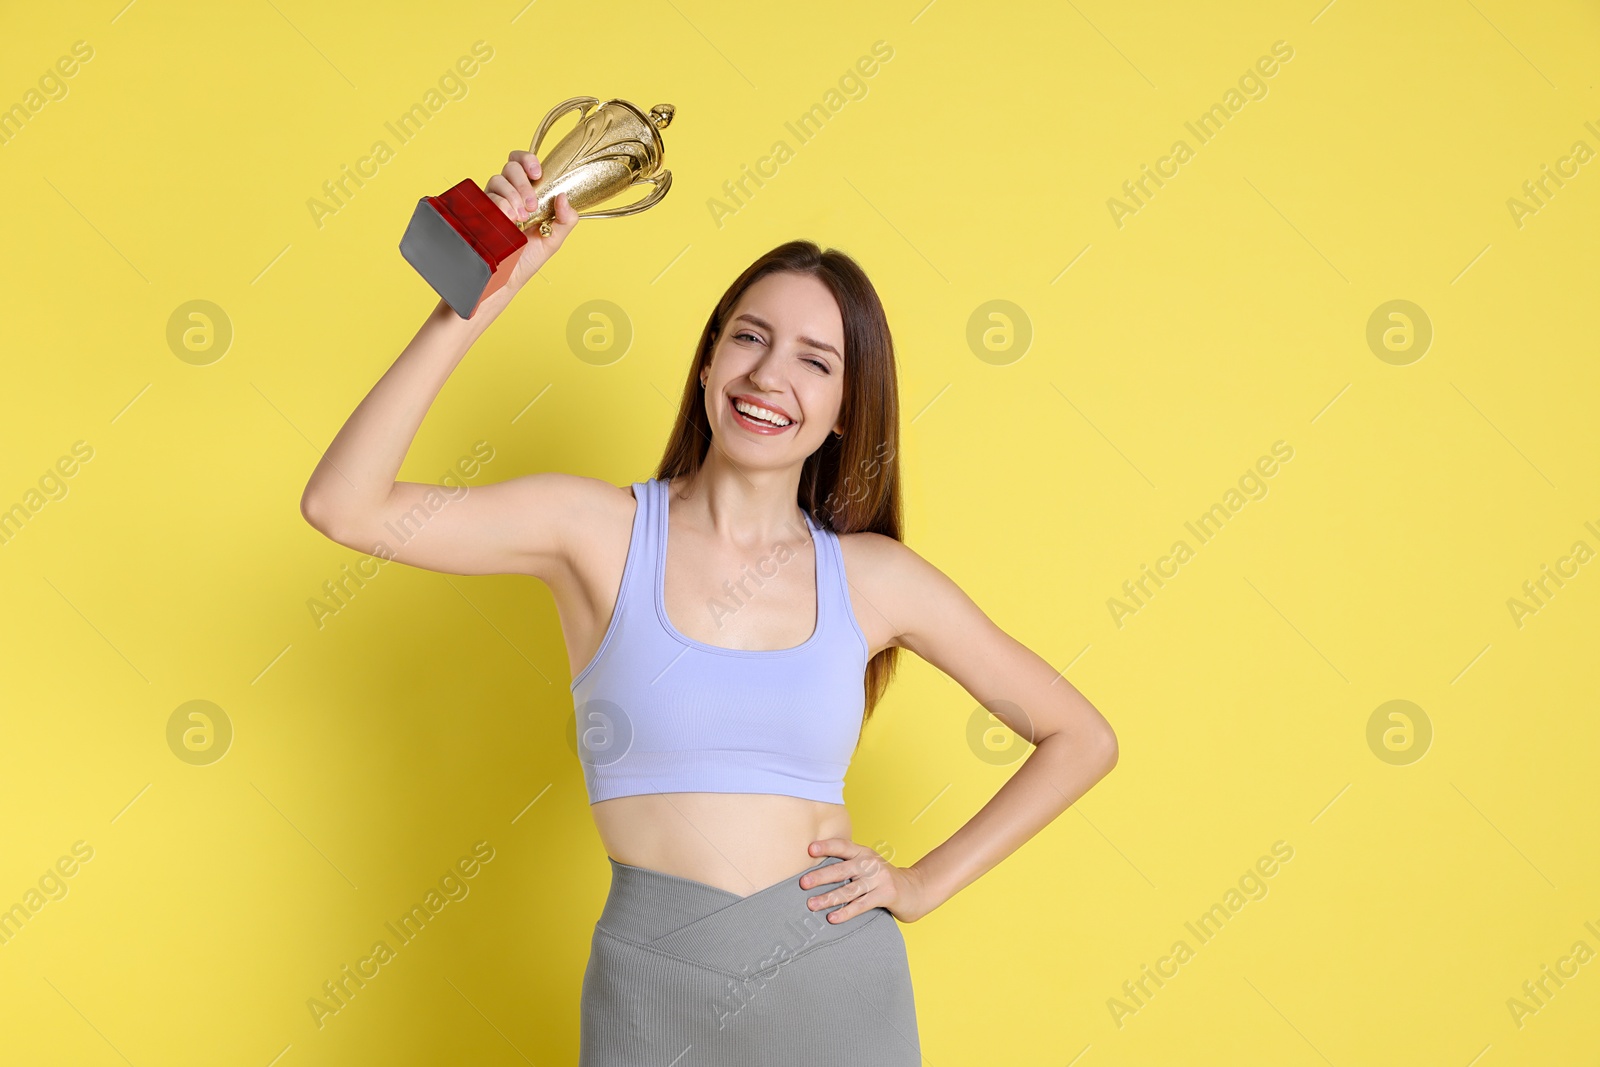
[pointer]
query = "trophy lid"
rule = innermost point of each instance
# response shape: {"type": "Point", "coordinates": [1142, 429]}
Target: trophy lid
{"type": "Point", "coordinates": [655, 121]}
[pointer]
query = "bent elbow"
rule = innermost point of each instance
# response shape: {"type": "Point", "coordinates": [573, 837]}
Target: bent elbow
{"type": "Point", "coordinates": [318, 514]}
{"type": "Point", "coordinates": [311, 510]}
{"type": "Point", "coordinates": [1109, 750]}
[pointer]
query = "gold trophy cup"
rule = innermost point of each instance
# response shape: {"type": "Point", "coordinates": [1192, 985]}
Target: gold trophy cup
{"type": "Point", "coordinates": [465, 247]}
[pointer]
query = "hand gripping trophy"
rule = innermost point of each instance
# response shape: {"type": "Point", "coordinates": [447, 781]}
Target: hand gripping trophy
{"type": "Point", "coordinates": [465, 247]}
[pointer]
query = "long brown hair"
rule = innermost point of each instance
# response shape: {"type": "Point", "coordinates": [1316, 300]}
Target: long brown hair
{"type": "Point", "coordinates": [850, 483]}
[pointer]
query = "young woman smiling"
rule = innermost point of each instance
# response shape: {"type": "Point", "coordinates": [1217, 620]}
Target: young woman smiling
{"type": "Point", "coordinates": [720, 688]}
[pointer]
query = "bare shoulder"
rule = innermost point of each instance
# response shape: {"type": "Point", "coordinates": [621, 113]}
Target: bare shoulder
{"type": "Point", "coordinates": [599, 528]}
{"type": "Point", "coordinates": [593, 498]}
{"type": "Point", "coordinates": [867, 551]}
{"type": "Point", "coordinates": [872, 555]}
{"type": "Point", "coordinates": [553, 519]}
{"type": "Point", "coordinates": [596, 513]}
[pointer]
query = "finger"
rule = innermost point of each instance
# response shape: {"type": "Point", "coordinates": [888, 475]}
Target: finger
{"type": "Point", "coordinates": [522, 171]}
{"type": "Point", "coordinates": [532, 168]}
{"type": "Point", "coordinates": [507, 207]}
{"type": "Point", "coordinates": [844, 894]}
{"type": "Point", "coordinates": [850, 910]}
{"type": "Point", "coordinates": [566, 214]}
{"type": "Point", "coordinates": [501, 192]}
{"type": "Point", "coordinates": [528, 160]}
{"type": "Point", "coordinates": [832, 846]}
{"type": "Point", "coordinates": [565, 217]}
{"type": "Point", "coordinates": [842, 871]}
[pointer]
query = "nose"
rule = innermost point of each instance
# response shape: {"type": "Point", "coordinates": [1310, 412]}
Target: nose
{"type": "Point", "coordinates": [758, 377]}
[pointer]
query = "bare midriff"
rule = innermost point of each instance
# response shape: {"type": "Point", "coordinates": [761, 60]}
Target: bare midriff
{"type": "Point", "coordinates": [740, 842]}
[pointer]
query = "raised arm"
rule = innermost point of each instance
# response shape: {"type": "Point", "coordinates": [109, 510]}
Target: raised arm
{"type": "Point", "coordinates": [353, 496]}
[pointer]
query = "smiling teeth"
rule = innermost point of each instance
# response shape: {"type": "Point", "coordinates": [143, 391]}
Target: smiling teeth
{"type": "Point", "coordinates": [761, 413]}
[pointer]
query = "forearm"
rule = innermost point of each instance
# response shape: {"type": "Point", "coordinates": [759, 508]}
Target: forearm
{"type": "Point", "coordinates": [359, 469]}
{"type": "Point", "coordinates": [1059, 770]}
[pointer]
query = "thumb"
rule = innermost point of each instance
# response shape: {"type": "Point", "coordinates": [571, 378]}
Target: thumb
{"type": "Point", "coordinates": [566, 217]}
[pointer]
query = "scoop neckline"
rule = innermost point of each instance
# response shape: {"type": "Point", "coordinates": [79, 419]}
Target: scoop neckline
{"type": "Point", "coordinates": [663, 499]}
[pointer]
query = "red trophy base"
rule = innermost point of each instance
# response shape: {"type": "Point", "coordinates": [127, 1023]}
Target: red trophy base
{"type": "Point", "coordinates": [463, 245]}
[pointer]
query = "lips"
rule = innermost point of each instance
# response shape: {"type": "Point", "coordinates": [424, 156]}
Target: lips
{"type": "Point", "coordinates": [758, 402]}
{"type": "Point", "coordinates": [756, 425]}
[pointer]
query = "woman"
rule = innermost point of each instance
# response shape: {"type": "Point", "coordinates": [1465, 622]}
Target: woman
{"type": "Point", "coordinates": [720, 693]}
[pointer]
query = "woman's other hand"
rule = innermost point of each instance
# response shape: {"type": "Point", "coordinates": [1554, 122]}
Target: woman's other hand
{"type": "Point", "coordinates": [873, 883]}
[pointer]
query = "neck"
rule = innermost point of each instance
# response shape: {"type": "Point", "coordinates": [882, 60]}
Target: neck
{"type": "Point", "coordinates": [738, 505]}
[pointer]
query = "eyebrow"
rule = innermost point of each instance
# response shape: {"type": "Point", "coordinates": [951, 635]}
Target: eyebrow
{"type": "Point", "coordinates": [812, 341]}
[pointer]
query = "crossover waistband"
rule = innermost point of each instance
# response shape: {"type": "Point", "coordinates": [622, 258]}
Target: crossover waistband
{"type": "Point", "coordinates": [718, 929]}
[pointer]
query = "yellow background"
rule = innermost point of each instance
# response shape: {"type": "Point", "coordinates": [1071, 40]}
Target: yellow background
{"type": "Point", "coordinates": [1228, 313]}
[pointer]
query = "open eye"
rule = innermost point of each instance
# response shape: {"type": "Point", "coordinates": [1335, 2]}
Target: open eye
{"type": "Point", "coordinates": [746, 333]}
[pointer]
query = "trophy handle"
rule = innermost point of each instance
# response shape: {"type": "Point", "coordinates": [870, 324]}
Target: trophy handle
{"type": "Point", "coordinates": [661, 181]}
{"type": "Point", "coordinates": [580, 103]}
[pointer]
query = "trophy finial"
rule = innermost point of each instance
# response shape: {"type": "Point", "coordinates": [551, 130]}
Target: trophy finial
{"type": "Point", "coordinates": [662, 114]}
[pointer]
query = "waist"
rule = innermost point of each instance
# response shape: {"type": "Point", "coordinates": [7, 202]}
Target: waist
{"type": "Point", "coordinates": [738, 842]}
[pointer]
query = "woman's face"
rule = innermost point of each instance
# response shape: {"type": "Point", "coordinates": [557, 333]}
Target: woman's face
{"type": "Point", "coordinates": [781, 349]}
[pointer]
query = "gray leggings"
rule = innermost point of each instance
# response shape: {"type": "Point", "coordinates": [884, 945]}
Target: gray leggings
{"type": "Point", "coordinates": [683, 974]}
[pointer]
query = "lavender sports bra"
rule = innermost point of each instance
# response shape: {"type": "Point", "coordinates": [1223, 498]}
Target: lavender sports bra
{"type": "Point", "coordinates": [659, 712]}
